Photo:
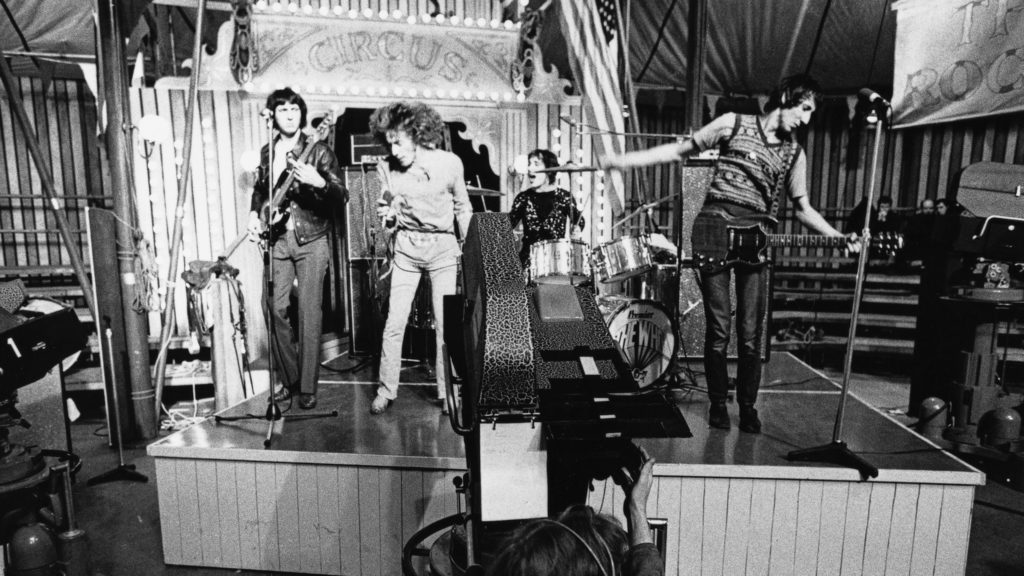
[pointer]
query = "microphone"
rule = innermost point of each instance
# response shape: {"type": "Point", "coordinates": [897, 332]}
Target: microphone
{"type": "Point", "coordinates": [266, 113]}
{"type": "Point", "coordinates": [873, 97]}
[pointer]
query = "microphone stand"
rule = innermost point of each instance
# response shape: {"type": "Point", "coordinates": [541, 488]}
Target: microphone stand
{"type": "Point", "coordinates": [836, 451]}
{"type": "Point", "coordinates": [123, 471]}
{"type": "Point", "coordinates": [273, 413]}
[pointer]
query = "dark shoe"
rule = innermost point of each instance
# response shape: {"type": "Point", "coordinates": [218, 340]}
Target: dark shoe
{"type": "Point", "coordinates": [307, 401]}
{"type": "Point", "coordinates": [283, 395]}
{"type": "Point", "coordinates": [379, 405]}
{"type": "Point", "coordinates": [749, 422]}
{"type": "Point", "coordinates": [718, 416]}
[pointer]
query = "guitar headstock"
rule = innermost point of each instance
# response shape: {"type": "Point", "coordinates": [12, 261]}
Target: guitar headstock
{"type": "Point", "coordinates": [887, 243]}
{"type": "Point", "coordinates": [324, 128]}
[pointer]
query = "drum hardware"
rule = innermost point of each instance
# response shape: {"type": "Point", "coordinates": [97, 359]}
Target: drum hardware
{"type": "Point", "coordinates": [570, 167]}
{"type": "Point", "coordinates": [478, 191]}
{"type": "Point", "coordinates": [560, 261]}
{"type": "Point", "coordinates": [621, 259]}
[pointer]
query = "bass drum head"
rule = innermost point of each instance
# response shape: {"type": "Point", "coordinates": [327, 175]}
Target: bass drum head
{"type": "Point", "coordinates": [646, 336]}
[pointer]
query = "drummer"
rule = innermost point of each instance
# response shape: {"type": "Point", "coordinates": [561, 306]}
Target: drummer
{"type": "Point", "coordinates": [546, 211]}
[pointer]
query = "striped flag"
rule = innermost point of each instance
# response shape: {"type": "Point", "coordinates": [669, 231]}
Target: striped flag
{"type": "Point", "coordinates": [591, 29]}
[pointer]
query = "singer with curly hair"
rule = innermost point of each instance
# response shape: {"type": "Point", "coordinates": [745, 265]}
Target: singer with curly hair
{"type": "Point", "coordinates": [425, 206]}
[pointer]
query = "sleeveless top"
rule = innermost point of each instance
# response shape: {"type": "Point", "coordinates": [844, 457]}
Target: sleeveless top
{"type": "Point", "coordinates": [751, 172]}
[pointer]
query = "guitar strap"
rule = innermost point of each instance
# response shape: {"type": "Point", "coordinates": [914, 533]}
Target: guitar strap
{"type": "Point", "coordinates": [788, 153]}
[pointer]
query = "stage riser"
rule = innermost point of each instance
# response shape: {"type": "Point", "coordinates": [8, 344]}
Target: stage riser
{"type": "Point", "coordinates": [296, 518]}
{"type": "Point", "coordinates": [772, 526]}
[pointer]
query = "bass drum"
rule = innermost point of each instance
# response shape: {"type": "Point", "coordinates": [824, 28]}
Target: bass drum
{"type": "Point", "coordinates": [646, 336]}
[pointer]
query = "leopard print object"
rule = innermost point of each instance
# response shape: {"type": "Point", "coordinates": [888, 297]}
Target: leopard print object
{"type": "Point", "coordinates": [501, 352]}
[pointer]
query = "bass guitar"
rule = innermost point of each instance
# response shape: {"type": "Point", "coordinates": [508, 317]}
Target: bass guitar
{"type": "Point", "coordinates": [317, 135]}
{"type": "Point", "coordinates": [275, 212]}
{"type": "Point", "coordinates": [720, 242]}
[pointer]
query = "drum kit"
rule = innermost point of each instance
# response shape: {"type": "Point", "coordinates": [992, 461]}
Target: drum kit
{"type": "Point", "coordinates": [642, 326]}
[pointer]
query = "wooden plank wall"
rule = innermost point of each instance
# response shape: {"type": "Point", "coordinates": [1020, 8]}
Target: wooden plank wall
{"type": "Point", "coordinates": [768, 526]}
{"type": "Point", "coordinates": [64, 119]}
{"type": "Point", "coordinates": [314, 519]}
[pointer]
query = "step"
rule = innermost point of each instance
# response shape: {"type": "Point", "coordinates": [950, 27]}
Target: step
{"type": "Point", "coordinates": [873, 297]}
{"type": "Point", "coordinates": [872, 320]}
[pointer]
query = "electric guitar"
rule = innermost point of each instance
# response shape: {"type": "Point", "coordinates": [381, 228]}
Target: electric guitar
{"type": "Point", "coordinates": [276, 210]}
{"type": "Point", "coordinates": [720, 242]}
{"type": "Point", "coordinates": [319, 134]}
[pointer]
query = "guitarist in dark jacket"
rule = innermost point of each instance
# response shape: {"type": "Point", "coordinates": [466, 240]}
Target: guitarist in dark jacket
{"type": "Point", "coordinates": [759, 160]}
{"type": "Point", "coordinates": [294, 216]}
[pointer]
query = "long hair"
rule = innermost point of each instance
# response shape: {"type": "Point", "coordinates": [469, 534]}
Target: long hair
{"type": "Point", "coordinates": [792, 92]}
{"type": "Point", "coordinates": [421, 122]}
{"type": "Point", "coordinates": [579, 543]}
{"type": "Point", "coordinates": [547, 158]}
{"type": "Point", "coordinates": [287, 96]}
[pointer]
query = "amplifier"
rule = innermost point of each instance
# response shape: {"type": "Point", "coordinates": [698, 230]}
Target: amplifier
{"type": "Point", "coordinates": [365, 239]}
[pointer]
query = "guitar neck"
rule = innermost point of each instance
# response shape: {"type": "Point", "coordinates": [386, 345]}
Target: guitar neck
{"type": "Point", "coordinates": [806, 241]}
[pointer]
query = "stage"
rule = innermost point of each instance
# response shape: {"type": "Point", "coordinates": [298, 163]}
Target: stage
{"type": "Point", "coordinates": [341, 495]}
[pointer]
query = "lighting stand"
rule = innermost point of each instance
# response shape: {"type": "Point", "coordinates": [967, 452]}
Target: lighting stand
{"type": "Point", "coordinates": [836, 451]}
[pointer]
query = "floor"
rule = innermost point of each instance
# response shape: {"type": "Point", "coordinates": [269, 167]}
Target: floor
{"type": "Point", "coordinates": [122, 522]}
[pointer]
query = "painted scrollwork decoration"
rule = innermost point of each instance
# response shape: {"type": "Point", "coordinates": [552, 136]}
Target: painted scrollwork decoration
{"type": "Point", "coordinates": [524, 66]}
{"type": "Point", "coordinates": [243, 60]}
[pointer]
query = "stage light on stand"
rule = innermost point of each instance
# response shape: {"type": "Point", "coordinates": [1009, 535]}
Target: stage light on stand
{"type": "Point", "coordinates": [153, 130]}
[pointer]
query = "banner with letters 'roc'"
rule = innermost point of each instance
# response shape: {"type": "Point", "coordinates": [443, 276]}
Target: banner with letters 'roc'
{"type": "Point", "coordinates": [957, 59]}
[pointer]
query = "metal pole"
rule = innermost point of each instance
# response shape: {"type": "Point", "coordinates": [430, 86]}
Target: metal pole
{"type": "Point", "coordinates": [697, 23]}
{"type": "Point", "coordinates": [858, 290]}
{"type": "Point", "coordinates": [179, 211]}
{"type": "Point", "coordinates": [45, 172]}
{"type": "Point", "coordinates": [118, 144]}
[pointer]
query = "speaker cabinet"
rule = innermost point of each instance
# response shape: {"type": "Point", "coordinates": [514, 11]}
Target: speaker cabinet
{"type": "Point", "coordinates": [365, 238]}
{"type": "Point", "coordinates": [366, 324]}
{"type": "Point", "coordinates": [696, 180]}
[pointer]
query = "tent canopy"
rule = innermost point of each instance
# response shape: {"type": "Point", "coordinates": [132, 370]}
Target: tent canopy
{"type": "Point", "coordinates": [752, 45]}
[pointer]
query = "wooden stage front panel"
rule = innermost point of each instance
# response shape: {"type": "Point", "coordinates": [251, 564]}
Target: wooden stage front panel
{"type": "Point", "coordinates": [342, 495]}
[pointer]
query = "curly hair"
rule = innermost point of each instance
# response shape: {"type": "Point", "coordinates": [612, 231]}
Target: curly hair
{"type": "Point", "coordinates": [547, 158]}
{"type": "Point", "coordinates": [421, 122]}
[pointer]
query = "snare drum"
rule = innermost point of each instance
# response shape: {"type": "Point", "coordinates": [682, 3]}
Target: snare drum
{"type": "Point", "coordinates": [559, 262]}
{"type": "Point", "coordinates": [622, 258]}
{"type": "Point", "coordinates": [645, 336]}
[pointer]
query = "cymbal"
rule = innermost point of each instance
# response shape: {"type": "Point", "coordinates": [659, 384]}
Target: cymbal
{"type": "Point", "coordinates": [644, 207]}
{"type": "Point", "coordinates": [566, 168]}
{"type": "Point", "coordinates": [477, 191]}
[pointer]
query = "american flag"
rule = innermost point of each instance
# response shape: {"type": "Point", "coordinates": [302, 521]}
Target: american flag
{"type": "Point", "coordinates": [591, 31]}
